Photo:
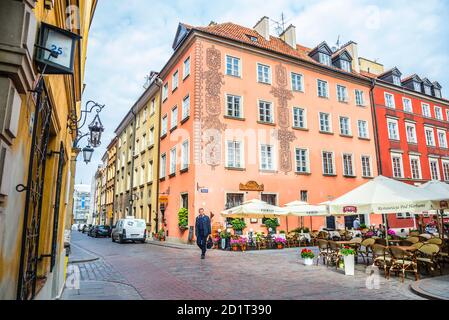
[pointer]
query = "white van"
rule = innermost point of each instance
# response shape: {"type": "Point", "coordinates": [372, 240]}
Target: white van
{"type": "Point", "coordinates": [130, 229]}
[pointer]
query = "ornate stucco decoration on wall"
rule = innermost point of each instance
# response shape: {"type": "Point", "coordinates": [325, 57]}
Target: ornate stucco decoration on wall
{"type": "Point", "coordinates": [283, 94]}
{"type": "Point", "coordinates": [252, 186]}
{"type": "Point", "coordinates": [211, 124]}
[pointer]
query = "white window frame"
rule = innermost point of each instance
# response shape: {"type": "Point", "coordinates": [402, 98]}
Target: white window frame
{"type": "Point", "coordinates": [445, 166]}
{"type": "Point", "coordinates": [271, 111]}
{"type": "Point", "coordinates": [408, 107]}
{"type": "Point", "coordinates": [150, 171]}
{"type": "Point", "coordinates": [431, 143]}
{"type": "Point", "coordinates": [239, 66]}
{"type": "Point", "coordinates": [413, 139]}
{"type": "Point", "coordinates": [273, 158]}
{"type": "Point", "coordinates": [440, 144]}
{"type": "Point", "coordinates": [294, 75]}
{"type": "Point", "coordinates": [304, 118]}
{"type": "Point", "coordinates": [151, 137]}
{"type": "Point", "coordinates": [348, 124]}
{"type": "Point", "coordinates": [395, 122]}
{"type": "Point", "coordinates": [329, 120]}
{"type": "Point", "coordinates": [342, 93]}
{"type": "Point", "coordinates": [185, 107]}
{"type": "Point", "coordinates": [359, 98]}
{"type": "Point", "coordinates": [362, 157]}
{"type": "Point", "coordinates": [348, 174]}
{"type": "Point", "coordinates": [165, 92]}
{"type": "Point", "coordinates": [163, 168]}
{"type": "Point", "coordinates": [366, 131]}
{"type": "Point", "coordinates": [233, 104]}
{"type": "Point", "coordinates": [426, 106]}
{"type": "Point", "coordinates": [299, 162]}
{"type": "Point", "coordinates": [401, 164]}
{"type": "Point", "coordinates": [175, 81]}
{"type": "Point", "coordinates": [164, 125]}
{"type": "Point", "coordinates": [345, 65]}
{"type": "Point", "coordinates": [324, 59]}
{"type": "Point", "coordinates": [391, 105]}
{"type": "Point", "coordinates": [186, 68]}
{"type": "Point", "coordinates": [438, 113]}
{"type": "Point", "coordinates": [173, 160]}
{"type": "Point", "coordinates": [334, 171]}
{"type": "Point", "coordinates": [397, 80]}
{"type": "Point", "coordinates": [174, 117]}
{"type": "Point", "coordinates": [241, 154]}
{"type": "Point", "coordinates": [320, 88]}
{"type": "Point", "coordinates": [434, 160]}
{"type": "Point", "coordinates": [185, 155]}
{"type": "Point", "coordinates": [267, 80]}
{"type": "Point", "coordinates": [418, 159]}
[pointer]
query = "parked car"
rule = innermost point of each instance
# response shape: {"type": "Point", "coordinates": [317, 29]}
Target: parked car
{"type": "Point", "coordinates": [91, 231]}
{"type": "Point", "coordinates": [129, 230]}
{"type": "Point", "coordinates": [100, 231]}
{"type": "Point", "coordinates": [86, 228]}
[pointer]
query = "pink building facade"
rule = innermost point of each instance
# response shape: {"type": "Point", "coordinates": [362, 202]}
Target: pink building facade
{"type": "Point", "coordinates": [246, 115]}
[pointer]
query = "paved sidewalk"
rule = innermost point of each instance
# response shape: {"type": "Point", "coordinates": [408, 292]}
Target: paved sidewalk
{"type": "Point", "coordinates": [79, 255]}
{"type": "Point", "coordinates": [101, 290]}
{"type": "Point", "coordinates": [172, 244]}
{"type": "Point", "coordinates": [433, 288]}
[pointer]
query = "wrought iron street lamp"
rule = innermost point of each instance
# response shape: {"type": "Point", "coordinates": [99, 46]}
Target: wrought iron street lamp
{"type": "Point", "coordinates": [87, 154]}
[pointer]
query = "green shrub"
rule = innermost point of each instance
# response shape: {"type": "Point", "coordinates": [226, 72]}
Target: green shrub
{"type": "Point", "coordinates": [238, 224]}
{"type": "Point", "coordinates": [183, 218]}
{"type": "Point", "coordinates": [271, 223]}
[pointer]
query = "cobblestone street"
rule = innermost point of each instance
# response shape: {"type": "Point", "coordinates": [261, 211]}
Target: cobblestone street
{"type": "Point", "coordinates": [136, 271]}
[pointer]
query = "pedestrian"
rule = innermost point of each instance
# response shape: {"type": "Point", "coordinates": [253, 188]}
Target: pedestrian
{"type": "Point", "coordinates": [356, 224]}
{"type": "Point", "coordinates": [203, 230]}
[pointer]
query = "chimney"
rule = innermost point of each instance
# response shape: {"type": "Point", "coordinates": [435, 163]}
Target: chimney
{"type": "Point", "coordinates": [263, 27]}
{"type": "Point", "coordinates": [353, 50]}
{"type": "Point", "coordinates": [289, 36]}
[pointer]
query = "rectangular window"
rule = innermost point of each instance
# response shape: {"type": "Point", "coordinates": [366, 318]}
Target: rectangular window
{"type": "Point", "coordinates": [396, 160]}
{"type": "Point", "coordinates": [235, 154]}
{"type": "Point", "coordinates": [389, 100]}
{"type": "Point", "coordinates": [366, 167]}
{"type": "Point", "coordinates": [266, 157]}
{"type": "Point", "coordinates": [304, 196]}
{"type": "Point", "coordinates": [430, 137]}
{"type": "Point", "coordinates": [153, 107]}
{"type": "Point", "coordinates": [397, 80]}
{"type": "Point", "coordinates": [175, 81]}
{"type": "Point", "coordinates": [151, 137]}
{"type": "Point", "coordinates": [234, 106]}
{"type": "Point", "coordinates": [142, 175]}
{"type": "Point", "coordinates": [393, 131]}
{"type": "Point", "coordinates": [342, 94]}
{"type": "Point", "coordinates": [359, 98]}
{"type": "Point", "coordinates": [263, 73]}
{"type": "Point", "coordinates": [447, 114]}
{"type": "Point", "coordinates": [163, 166]}
{"type": "Point", "coordinates": [417, 86]}
{"type": "Point", "coordinates": [265, 112]}
{"type": "Point", "coordinates": [302, 161]}
{"type": "Point", "coordinates": [165, 92]}
{"type": "Point", "coordinates": [185, 151]}
{"type": "Point", "coordinates": [437, 93]}
{"type": "Point", "coordinates": [322, 89]}
{"type": "Point", "coordinates": [145, 115]}
{"type": "Point", "coordinates": [174, 117]}
{"type": "Point", "coordinates": [325, 122]}
{"type": "Point", "coordinates": [186, 71]}
{"type": "Point", "coordinates": [345, 65]}
{"type": "Point", "coordinates": [173, 161]}
{"type": "Point", "coordinates": [186, 107]}
{"type": "Point", "coordinates": [325, 59]}
{"type": "Point", "coordinates": [297, 82]}
{"type": "Point", "coordinates": [164, 125]}
{"type": "Point", "coordinates": [438, 113]}
{"type": "Point", "coordinates": [446, 170]}
{"type": "Point", "coordinates": [233, 200]}
{"type": "Point", "coordinates": [426, 110]}
{"type": "Point", "coordinates": [407, 104]}
{"type": "Point", "coordinates": [233, 66]}
{"type": "Point", "coordinates": [363, 129]}
{"type": "Point", "coordinates": [345, 126]}
{"type": "Point", "coordinates": [348, 165]}
{"type": "Point", "coordinates": [415, 166]}
{"type": "Point", "coordinates": [269, 198]}
{"type": "Point", "coordinates": [150, 171]}
{"type": "Point", "coordinates": [411, 133]}
{"type": "Point", "coordinates": [442, 139]}
{"type": "Point", "coordinates": [434, 169]}
{"type": "Point", "coordinates": [328, 163]}
{"type": "Point", "coordinates": [299, 118]}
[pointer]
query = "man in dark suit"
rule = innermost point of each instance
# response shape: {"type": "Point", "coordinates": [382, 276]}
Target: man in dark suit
{"type": "Point", "coordinates": [203, 230]}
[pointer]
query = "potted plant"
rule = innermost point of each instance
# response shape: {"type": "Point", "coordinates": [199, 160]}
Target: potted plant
{"type": "Point", "coordinates": [308, 256]}
{"type": "Point", "coordinates": [349, 260]}
{"type": "Point", "coordinates": [238, 225]}
{"type": "Point", "coordinates": [183, 219]}
{"type": "Point", "coordinates": [235, 244]}
{"type": "Point", "coordinates": [243, 242]}
{"type": "Point", "coordinates": [161, 235]}
{"type": "Point", "coordinates": [280, 242]}
{"type": "Point", "coordinates": [271, 224]}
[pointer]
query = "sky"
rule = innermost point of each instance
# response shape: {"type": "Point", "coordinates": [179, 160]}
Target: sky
{"type": "Point", "coordinates": [129, 39]}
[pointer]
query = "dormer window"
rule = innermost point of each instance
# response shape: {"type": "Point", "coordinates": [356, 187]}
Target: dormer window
{"type": "Point", "coordinates": [345, 65]}
{"type": "Point", "coordinates": [437, 93]}
{"type": "Point", "coordinates": [428, 90]}
{"type": "Point", "coordinates": [325, 59]}
{"type": "Point", "coordinates": [397, 80]}
{"type": "Point", "coordinates": [417, 86]}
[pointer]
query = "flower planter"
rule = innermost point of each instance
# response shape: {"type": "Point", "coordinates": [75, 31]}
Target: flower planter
{"type": "Point", "coordinates": [349, 264]}
{"type": "Point", "coordinates": [280, 246]}
{"type": "Point", "coordinates": [243, 247]}
{"type": "Point", "coordinates": [235, 248]}
{"type": "Point", "coordinates": [308, 262]}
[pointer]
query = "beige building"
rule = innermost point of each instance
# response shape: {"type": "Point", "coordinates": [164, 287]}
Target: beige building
{"type": "Point", "coordinates": [137, 160]}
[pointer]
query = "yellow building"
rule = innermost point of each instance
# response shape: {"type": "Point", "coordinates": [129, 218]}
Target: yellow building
{"type": "Point", "coordinates": [136, 184]}
{"type": "Point", "coordinates": [36, 155]}
{"type": "Point", "coordinates": [110, 181]}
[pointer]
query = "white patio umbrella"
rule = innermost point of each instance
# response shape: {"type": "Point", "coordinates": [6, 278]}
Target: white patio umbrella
{"type": "Point", "coordinates": [303, 209]}
{"type": "Point", "coordinates": [440, 188]}
{"type": "Point", "coordinates": [255, 209]}
{"type": "Point", "coordinates": [385, 196]}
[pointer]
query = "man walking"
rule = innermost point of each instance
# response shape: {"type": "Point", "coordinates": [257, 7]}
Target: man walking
{"type": "Point", "coordinates": [203, 230]}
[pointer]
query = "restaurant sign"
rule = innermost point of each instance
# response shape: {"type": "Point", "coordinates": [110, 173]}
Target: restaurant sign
{"type": "Point", "coordinates": [350, 209]}
{"type": "Point", "coordinates": [252, 186]}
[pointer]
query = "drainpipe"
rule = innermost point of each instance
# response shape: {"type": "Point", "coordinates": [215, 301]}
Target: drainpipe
{"type": "Point", "coordinates": [159, 83]}
{"type": "Point", "coordinates": [131, 187]}
{"type": "Point", "coordinates": [375, 125]}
